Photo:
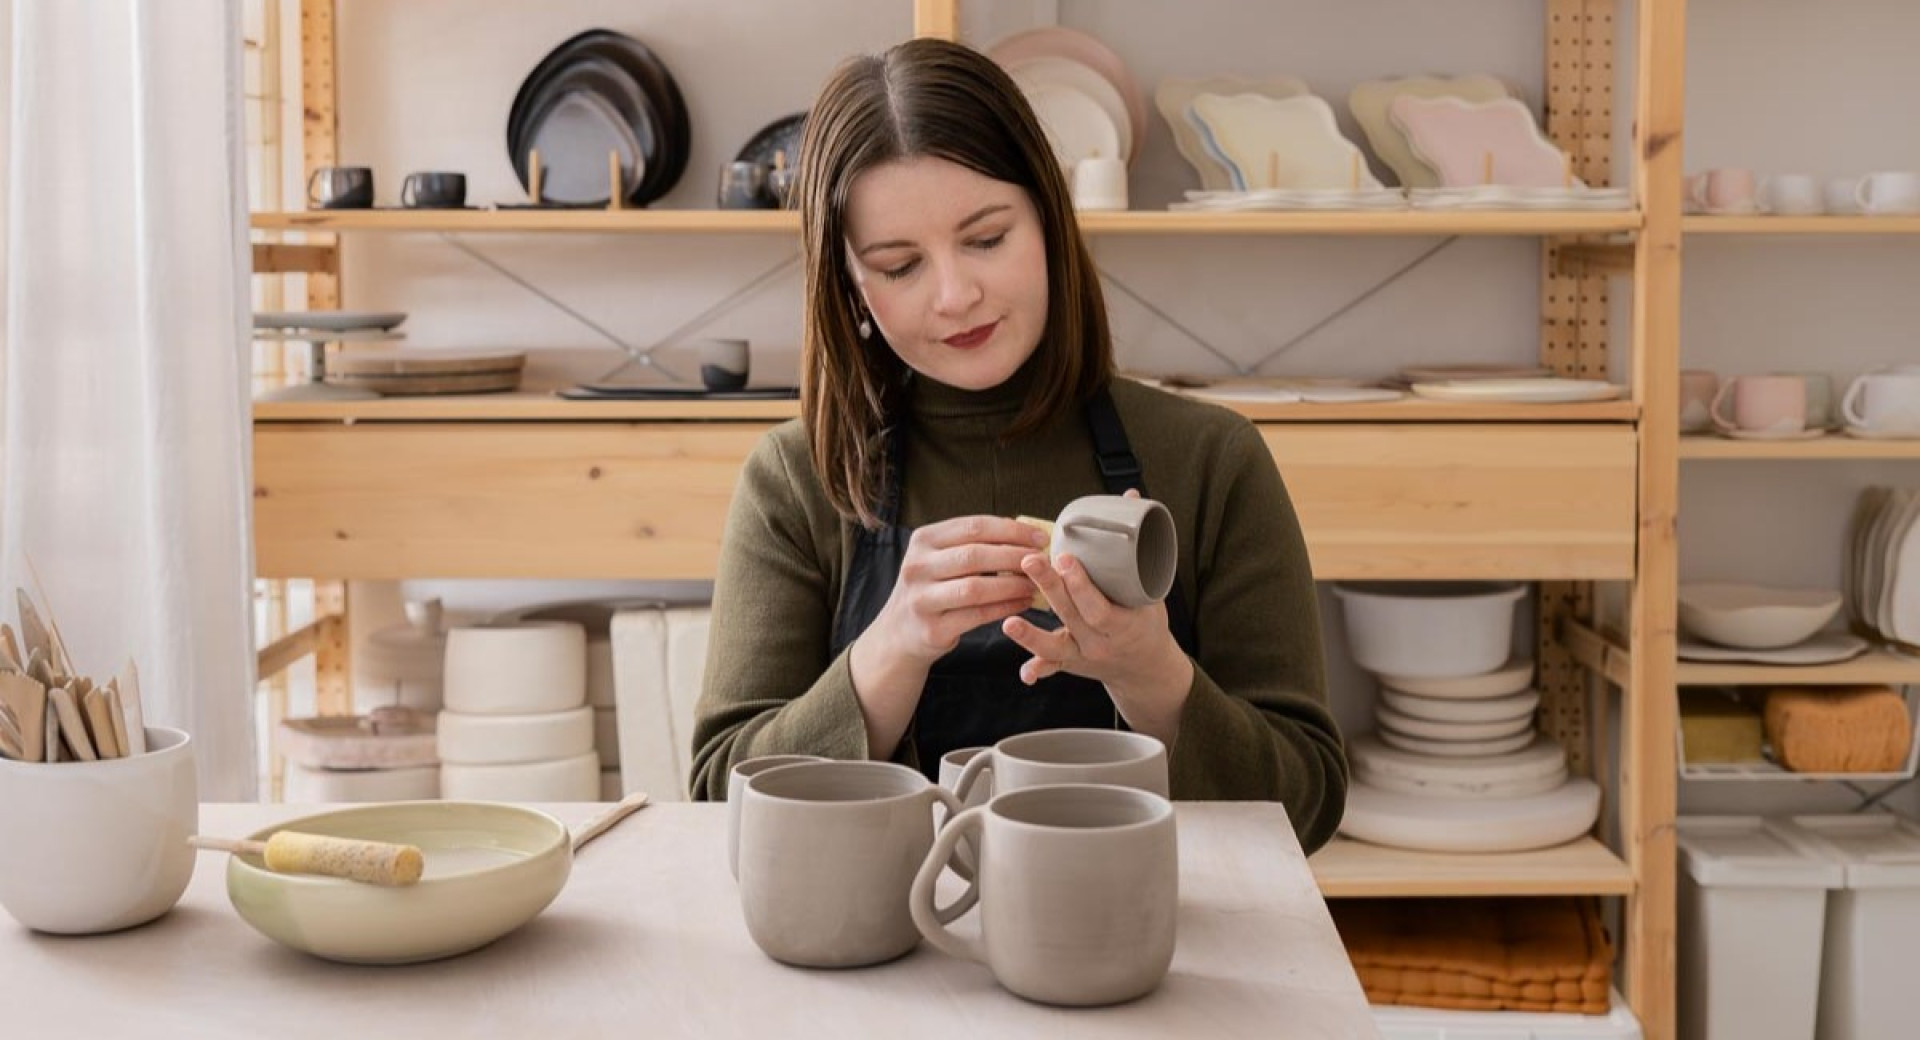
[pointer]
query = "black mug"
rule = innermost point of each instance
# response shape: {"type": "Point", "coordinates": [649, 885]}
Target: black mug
{"type": "Point", "coordinates": [341, 187]}
{"type": "Point", "coordinates": [434, 191]}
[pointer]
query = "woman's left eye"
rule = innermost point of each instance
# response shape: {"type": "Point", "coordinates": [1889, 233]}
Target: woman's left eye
{"type": "Point", "coordinates": [989, 243]}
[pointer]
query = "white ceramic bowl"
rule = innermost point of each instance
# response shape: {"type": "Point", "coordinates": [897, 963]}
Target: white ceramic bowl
{"type": "Point", "coordinates": [1755, 617]}
{"type": "Point", "coordinates": [489, 870]}
{"type": "Point", "coordinates": [1430, 630]}
{"type": "Point", "coordinates": [516, 668]}
{"type": "Point", "coordinates": [505, 739]}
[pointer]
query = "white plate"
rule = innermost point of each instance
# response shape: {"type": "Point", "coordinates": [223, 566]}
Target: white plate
{"type": "Point", "coordinates": [1520, 391]}
{"type": "Point", "coordinates": [1903, 587]}
{"type": "Point", "coordinates": [337, 320]}
{"type": "Point", "coordinates": [1509, 678]}
{"type": "Point", "coordinates": [1881, 553]}
{"type": "Point", "coordinates": [1033, 73]}
{"type": "Point", "coordinates": [1439, 709]}
{"type": "Point", "coordinates": [1537, 768]}
{"type": "Point", "coordinates": [1892, 584]}
{"type": "Point", "coordinates": [1446, 824]}
{"type": "Point", "coordinates": [1399, 725]}
{"type": "Point", "coordinates": [1459, 748]}
{"type": "Point", "coordinates": [1350, 395]}
{"type": "Point", "coordinates": [1246, 394]}
{"type": "Point", "coordinates": [1076, 125]}
{"type": "Point", "coordinates": [1825, 648]}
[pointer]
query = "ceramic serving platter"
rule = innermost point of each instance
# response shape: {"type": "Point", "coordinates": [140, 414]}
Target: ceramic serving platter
{"type": "Point", "coordinates": [1076, 126]}
{"type": "Point", "coordinates": [1540, 766]}
{"type": "Point", "coordinates": [1507, 197]}
{"type": "Point", "coordinates": [1451, 824]}
{"type": "Point", "coordinates": [1174, 98]}
{"type": "Point", "coordinates": [1520, 391]}
{"type": "Point", "coordinates": [1826, 648]}
{"type": "Point", "coordinates": [1246, 394]}
{"type": "Point", "coordinates": [1059, 42]}
{"type": "Point", "coordinates": [1476, 143]}
{"type": "Point", "coordinates": [1368, 102]}
{"type": "Point", "coordinates": [1282, 142]}
{"type": "Point", "coordinates": [1040, 72]}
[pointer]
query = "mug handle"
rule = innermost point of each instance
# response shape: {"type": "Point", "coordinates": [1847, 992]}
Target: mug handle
{"type": "Point", "coordinates": [1719, 396]}
{"type": "Point", "coordinates": [956, 808]}
{"type": "Point", "coordinates": [1849, 406]}
{"type": "Point", "coordinates": [407, 192]}
{"type": "Point", "coordinates": [963, 787]}
{"type": "Point", "coordinates": [1863, 195]}
{"type": "Point", "coordinates": [927, 915]}
{"type": "Point", "coordinates": [311, 177]}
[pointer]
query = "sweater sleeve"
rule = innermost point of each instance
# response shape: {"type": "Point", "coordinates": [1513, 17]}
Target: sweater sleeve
{"type": "Point", "coordinates": [1256, 723]}
{"type": "Point", "coordinates": [769, 686]}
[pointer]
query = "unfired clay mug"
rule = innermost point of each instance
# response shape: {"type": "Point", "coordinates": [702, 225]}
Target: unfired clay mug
{"type": "Point", "coordinates": [1762, 404]}
{"type": "Point", "coordinates": [1079, 892]}
{"type": "Point", "coordinates": [98, 846]}
{"type": "Point", "coordinates": [1126, 544]}
{"type": "Point", "coordinates": [1068, 756]}
{"type": "Point", "coordinates": [828, 854]}
{"type": "Point", "coordinates": [737, 785]}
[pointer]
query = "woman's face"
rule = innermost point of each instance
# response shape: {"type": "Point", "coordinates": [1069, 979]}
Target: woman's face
{"type": "Point", "coordinates": [953, 265]}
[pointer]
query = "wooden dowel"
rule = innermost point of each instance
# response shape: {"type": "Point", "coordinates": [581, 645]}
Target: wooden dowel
{"type": "Point", "coordinates": [1486, 168]}
{"type": "Point", "coordinates": [1273, 169]}
{"type": "Point", "coordinates": [533, 175]}
{"type": "Point", "coordinates": [616, 185]}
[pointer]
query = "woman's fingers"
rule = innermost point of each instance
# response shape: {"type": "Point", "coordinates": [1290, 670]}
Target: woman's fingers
{"type": "Point", "coordinates": [979, 530]}
{"type": "Point", "coordinates": [961, 561]}
{"type": "Point", "coordinates": [980, 590]}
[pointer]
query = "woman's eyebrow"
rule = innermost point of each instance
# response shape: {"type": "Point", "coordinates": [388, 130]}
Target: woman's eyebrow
{"type": "Point", "coordinates": [972, 218]}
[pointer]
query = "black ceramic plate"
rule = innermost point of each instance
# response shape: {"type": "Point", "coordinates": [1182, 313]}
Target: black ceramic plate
{"type": "Point", "coordinates": [672, 130]}
{"type": "Point", "coordinates": [610, 82]}
{"type": "Point", "coordinates": [781, 135]}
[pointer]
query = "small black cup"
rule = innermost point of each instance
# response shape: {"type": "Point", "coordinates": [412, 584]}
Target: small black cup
{"type": "Point", "coordinates": [434, 190]}
{"type": "Point", "coordinates": [341, 187]}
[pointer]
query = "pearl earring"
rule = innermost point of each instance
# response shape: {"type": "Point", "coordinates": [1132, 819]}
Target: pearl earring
{"type": "Point", "coordinates": [866, 328]}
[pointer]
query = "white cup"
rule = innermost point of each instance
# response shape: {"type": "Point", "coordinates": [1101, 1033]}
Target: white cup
{"type": "Point", "coordinates": [1884, 402]}
{"type": "Point", "coordinates": [1889, 193]}
{"type": "Point", "coordinates": [90, 847]}
{"type": "Point", "coordinates": [1791, 194]}
{"type": "Point", "coordinates": [1100, 183]}
{"type": "Point", "coordinates": [1843, 195]}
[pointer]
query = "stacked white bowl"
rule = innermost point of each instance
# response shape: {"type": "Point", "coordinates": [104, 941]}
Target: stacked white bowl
{"type": "Point", "coordinates": [1455, 763]}
{"type": "Point", "coordinates": [517, 725]}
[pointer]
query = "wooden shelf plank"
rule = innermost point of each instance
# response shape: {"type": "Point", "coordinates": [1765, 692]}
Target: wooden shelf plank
{"type": "Point", "coordinates": [664, 221]}
{"type": "Point", "coordinates": [1875, 666]}
{"type": "Point", "coordinates": [1823, 225]}
{"type": "Point", "coordinates": [1831, 446]}
{"type": "Point", "coordinates": [541, 406]}
{"type": "Point", "coordinates": [1355, 869]}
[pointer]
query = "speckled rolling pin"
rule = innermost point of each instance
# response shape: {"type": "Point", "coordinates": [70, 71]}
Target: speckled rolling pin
{"type": "Point", "coordinates": [291, 852]}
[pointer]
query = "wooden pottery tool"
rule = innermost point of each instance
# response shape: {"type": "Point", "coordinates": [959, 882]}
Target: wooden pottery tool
{"type": "Point", "coordinates": [117, 711]}
{"type": "Point", "coordinates": [292, 852]}
{"type": "Point", "coordinates": [34, 631]}
{"type": "Point", "coordinates": [12, 741]}
{"type": "Point", "coordinates": [27, 700]}
{"type": "Point", "coordinates": [73, 729]}
{"type": "Point", "coordinates": [98, 713]}
{"type": "Point", "coordinates": [604, 822]}
{"type": "Point", "coordinates": [10, 656]}
{"type": "Point", "coordinates": [128, 687]}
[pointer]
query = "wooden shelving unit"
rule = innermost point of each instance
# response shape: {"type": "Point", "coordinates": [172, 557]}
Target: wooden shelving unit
{"type": "Point", "coordinates": [1831, 446]}
{"type": "Point", "coordinates": [1875, 666]}
{"type": "Point", "coordinates": [528, 484]}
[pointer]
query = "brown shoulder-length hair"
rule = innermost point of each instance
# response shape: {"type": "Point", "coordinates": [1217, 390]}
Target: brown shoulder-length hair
{"type": "Point", "coordinates": [940, 99]}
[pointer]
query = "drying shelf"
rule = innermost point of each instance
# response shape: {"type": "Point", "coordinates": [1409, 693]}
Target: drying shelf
{"type": "Point", "coordinates": [1831, 446]}
{"type": "Point", "coordinates": [1133, 222]}
{"type": "Point", "coordinates": [1878, 665]}
{"type": "Point", "coordinates": [1354, 869]}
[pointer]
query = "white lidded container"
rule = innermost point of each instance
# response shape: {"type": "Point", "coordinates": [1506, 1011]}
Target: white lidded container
{"type": "Point", "coordinates": [1868, 985]}
{"type": "Point", "coordinates": [1752, 905]}
{"type": "Point", "coordinates": [1429, 630]}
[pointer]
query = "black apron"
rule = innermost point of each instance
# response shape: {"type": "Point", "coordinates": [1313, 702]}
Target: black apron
{"type": "Point", "coordinates": [974, 696]}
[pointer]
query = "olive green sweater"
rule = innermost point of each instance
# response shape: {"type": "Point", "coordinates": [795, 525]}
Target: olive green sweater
{"type": "Point", "coordinates": [1255, 725]}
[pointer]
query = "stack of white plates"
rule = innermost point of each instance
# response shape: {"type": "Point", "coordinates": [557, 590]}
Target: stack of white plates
{"type": "Point", "coordinates": [1293, 199]}
{"type": "Point", "coordinates": [517, 725]}
{"type": "Point", "coordinates": [1882, 577]}
{"type": "Point", "coordinates": [1086, 100]}
{"type": "Point", "coordinates": [1502, 196]}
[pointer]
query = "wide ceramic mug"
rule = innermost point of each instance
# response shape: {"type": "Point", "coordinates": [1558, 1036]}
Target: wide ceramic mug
{"type": "Point", "coordinates": [98, 846]}
{"type": "Point", "coordinates": [1761, 404]}
{"type": "Point", "coordinates": [1126, 544]}
{"type": "Point", "coordinates": [1079, 889]}
{"type": "Point", "coordinates": [828, 853]}
{"type": "Point", "coordinates": [1067, 756]}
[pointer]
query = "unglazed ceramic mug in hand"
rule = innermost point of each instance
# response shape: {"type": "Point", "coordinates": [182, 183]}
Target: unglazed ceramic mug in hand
{"type": "Point", "coordinates": [1697, 388]}
{"type": "Point", "coordinates": [1762, 404]}
{"type": "Point", "coordinates": [1068, 756]}
{"type": "Point", "coordinates": [828, 854]}
{"type": "Point", "coordinates": [98, 846]}
{"type": "Point", "coordinates": [1079, 892]}
{"type": "Point", "coordinates": [737, 785]}
{"type": "Point", "coordinates": [1884, 402]}
{"type": "Point", "coordinates": [1126, 544]}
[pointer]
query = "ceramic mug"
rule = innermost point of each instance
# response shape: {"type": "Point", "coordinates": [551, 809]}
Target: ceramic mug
{"type": "Point", "coordinates": [828, 854]}
{"type": "Point", "coordinates": [736, 786]}
{"type": "Point", "coordinates": [743, 185]}
{"type": "Point", "coordinates": [952, 765]}
{"type": "Point", "coordinates": [1697, 387]}
{"type": "Point", "coordinates": [1100, 183]}
{"type": "Point", "coordinates": [98, 846]}
{"type": "Point", "coordinates": [1821, 413]}
{"type": "Point", "coordinates": [1884, 402]}
{"type": "Point", "coordinates": [434, 190]}
{"type": "Point", "coordinates": [340, 187]}
{"type": "Point", "coordinates": [1068, 756]}
{"type": "Point", "coordinates": [1762, 404]}
{"type": "Point", "coordinates": [1843, 195]}
{"type": "Point", "coordinates": [1126, 544]}
{"type": "Point", "coordinates": [1792, 194]}
{"type": "Point", "coordinates": [1079, 892]}
{"type": "Point", "coordinates": [1887, 193]}
{"type": "Point", "coordinates": [1723, 191]}
{"type": "Point", "coordinates": [723, 363]}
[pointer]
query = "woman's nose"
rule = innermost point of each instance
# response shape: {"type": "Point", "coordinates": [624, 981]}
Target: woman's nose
{"type": "Point", "coordinates": [958, 290]}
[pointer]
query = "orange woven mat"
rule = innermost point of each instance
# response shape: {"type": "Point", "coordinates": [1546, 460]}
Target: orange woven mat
{"type": "Point", "coordinates": [1531, 954]}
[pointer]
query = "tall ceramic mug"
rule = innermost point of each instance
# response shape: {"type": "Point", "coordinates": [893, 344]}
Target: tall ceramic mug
{"type": "Point", "coordinates": [1068, 756]}
{"type": "Point", "coordinates": [1079, 892]}
{"type": "Point", "coordinates": [98, 846]}
{"type": "Point", "coordinates": [1762, 404]}
{"type": "Point", "coordinates": [736, 787]}
{"type": "Point", "coordinates": [1126, 544]}
{"type": "Point", "coordinates": [828, 853]}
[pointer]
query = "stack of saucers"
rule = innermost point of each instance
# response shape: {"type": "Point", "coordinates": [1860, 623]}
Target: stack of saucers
{"type": "Point", "coordinates": [1488, 714]}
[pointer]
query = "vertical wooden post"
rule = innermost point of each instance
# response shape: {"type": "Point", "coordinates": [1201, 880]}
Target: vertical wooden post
{"type": "Point", "coordinates": [938, 19]}
{"type": "Point", "coordinates": [1649, 774]}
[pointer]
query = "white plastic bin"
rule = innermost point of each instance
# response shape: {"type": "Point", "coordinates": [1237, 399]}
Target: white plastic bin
{"type": "Point", "coordinates": [1751, 910]}
{"type": "Point", "coordinates": [1869, 988]}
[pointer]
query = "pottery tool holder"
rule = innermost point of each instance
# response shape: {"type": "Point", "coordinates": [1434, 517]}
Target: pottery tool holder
{"type": "Point", "coordinates": [50, 714]}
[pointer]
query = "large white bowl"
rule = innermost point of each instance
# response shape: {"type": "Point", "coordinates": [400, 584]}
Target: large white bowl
{"type": "Point", "coordinates": [1430, 630]}
{"type": "Point", "coordinates": [1755, 617]}
{"type": "Point", "coordinates": [489, 870]}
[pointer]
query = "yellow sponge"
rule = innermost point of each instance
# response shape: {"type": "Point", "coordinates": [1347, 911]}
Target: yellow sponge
{"type": "Point", "coordinates": [1040, 598]}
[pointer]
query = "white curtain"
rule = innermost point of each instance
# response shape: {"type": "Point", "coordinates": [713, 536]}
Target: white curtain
{"type": "Point", "coordinates": [126, 470]}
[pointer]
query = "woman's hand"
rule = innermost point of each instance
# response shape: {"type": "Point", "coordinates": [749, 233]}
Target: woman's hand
{"type": "Point", "coordinates": [956, 575]}
{"type": "Point", "coordinates": [1129, 649]}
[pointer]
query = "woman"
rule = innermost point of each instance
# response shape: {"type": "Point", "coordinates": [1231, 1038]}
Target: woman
{"type": "Point", "coordinates": [873, 596]}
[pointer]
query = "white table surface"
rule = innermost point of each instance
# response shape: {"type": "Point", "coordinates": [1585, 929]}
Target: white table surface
{"type": "Point", "coordinates": [647, 940]}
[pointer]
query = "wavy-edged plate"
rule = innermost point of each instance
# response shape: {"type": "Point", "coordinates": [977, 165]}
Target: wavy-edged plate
{"type": "Point", "coordinates": [1520, 391]}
